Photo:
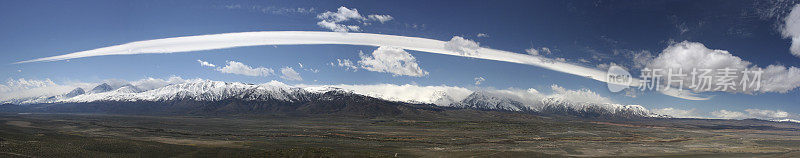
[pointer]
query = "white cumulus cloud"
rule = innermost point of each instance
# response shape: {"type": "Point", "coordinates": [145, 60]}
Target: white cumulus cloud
{"type": "Point", "coordinates": [23, 83]}
{"type": "Point", "coordinates": [391, 60]}
{"type": "Point", "coordinates": [26, 88]}
{"type": "Point", "coordinates": [153, 83]}
{"type": "Point", "coordinates": [725, 114]}
{"type": "Point", "coordinates": [580, 95]}
{"type": "Point", "coordinates": [381, 18]}
{"type": "Point", "coordinates": [767, 114]}
{"type": "Point", "coordinates": [238, 68]}
{"type": "Point", "coordinates": [678, 113]}
{"type": "Point", "coordinates": [342, 14]}
{"type": "Point", "coordinates": [773, 115]}
{"type": "Point", "coordinates": [463, 46]}
{"type": "Point", "coordinates": [752, 113]}
{"type": "Point", "coordinates": [333, 26]}
{"type": "Point", "coordinates": [290, 74]}
{"type": "Point", "coordinates": [791, 29]}
{"type": "Point", "coordinates": [335, 21]}
{"type": "Point", "coordinates": [687, 56]}
{"type": "Point", "coordinates": [779, 78]}
{"type": "Point", "coordinates": [204, 63]}
{"type": "Point", "coordinates": [346, 64]}
{"type": "Point", "coordinates": [331, 20]}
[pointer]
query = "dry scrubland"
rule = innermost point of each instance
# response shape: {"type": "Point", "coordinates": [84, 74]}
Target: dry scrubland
{"type": "Point", "coordinates": [457, 133]}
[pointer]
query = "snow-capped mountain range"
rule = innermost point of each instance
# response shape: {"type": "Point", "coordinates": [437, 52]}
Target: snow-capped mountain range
{"type": "Point", "coordinates": [210, 91]}
{"type": "Point", "coordinates": [199, 90]}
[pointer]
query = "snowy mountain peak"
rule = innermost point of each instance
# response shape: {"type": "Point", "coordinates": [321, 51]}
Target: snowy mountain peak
{"type": "Point", "coordinates": [128, 89]}
{"type": "Point", "coordinates": [101, 88]}
{"type": "Point", "coordinates": [75, 92]}
{"type": "Point", "coordinates": [322, 89]}
{"type": "Point", "coordinates": [198, 90]}
{"type": "Point", "coordinates": [486, 100]}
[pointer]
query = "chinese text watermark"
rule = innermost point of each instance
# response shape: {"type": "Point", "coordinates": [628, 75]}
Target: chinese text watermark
{"type": "Point", "coordinates": [724, 79]}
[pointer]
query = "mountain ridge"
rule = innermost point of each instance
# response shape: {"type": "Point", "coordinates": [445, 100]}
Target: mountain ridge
{"type": "Point", "coordinates": [234, 97]}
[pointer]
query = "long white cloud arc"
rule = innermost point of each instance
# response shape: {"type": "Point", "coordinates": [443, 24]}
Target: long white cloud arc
{"type": "Point", "coordinates": [243, 39]}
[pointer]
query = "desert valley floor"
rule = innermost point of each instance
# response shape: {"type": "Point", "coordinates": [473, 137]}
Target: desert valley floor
{"type": "Point", "coordinates": [457, 133]}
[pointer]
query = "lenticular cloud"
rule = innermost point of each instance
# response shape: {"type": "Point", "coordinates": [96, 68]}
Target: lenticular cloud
{"type": "Point", "coordinates": [243, 39]}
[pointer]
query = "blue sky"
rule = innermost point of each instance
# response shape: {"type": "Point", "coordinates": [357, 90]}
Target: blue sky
{"type": "Point", "coordinates": [584, 33]}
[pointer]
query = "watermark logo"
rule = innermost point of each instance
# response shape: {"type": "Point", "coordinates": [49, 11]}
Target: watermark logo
{"type": "Point", "coordinates": [699, 80]}
{"type": "Point", "coordinates": [618, 78]}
